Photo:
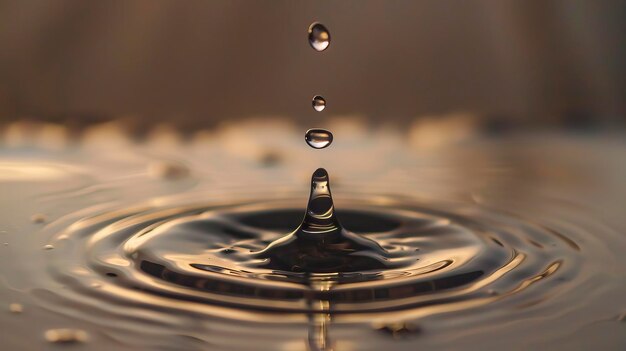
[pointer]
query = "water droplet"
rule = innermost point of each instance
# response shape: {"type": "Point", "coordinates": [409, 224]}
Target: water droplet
{"type": "Point", "coordinates": [6, 244]}
{"type": "Point", "coordinates": [319, 37]}
{"type": "Point", "coordinates": [66, 335]}
{"type": "Point", "coordinates": [318, 138]}
{"type": "Point", "coordinates": [38, 218]}
{"type": "Point", "coordinates": [270, 158]}
{"type": "Point", "coordinates": [319, 103]}
{"type": "Point", "coordinates": [16, 308]}
{"type": "Point", "coordinates": [168, 170]}
{"type": "Point", "coordinates": [399, 330]}
{"type": "Point", "coordinates": [48, 247]}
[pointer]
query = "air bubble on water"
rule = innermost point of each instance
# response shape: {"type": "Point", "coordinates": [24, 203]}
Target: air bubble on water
{"type": "Point", "coordinates": [319, 103]}
{"type": "Point", "coordinates": [48, 247]}
{"type": "Point", "coordinates": [66, 336]}
{"type": "Point", "coordinates": [318, 138]}
{"type": "Point", "coordinates": [38, 218]}
{"type": "Point", "coordinates": [16, 308]}
{"type": "Point", "coordinates": [319, 37]}
{"type": "Point", "coordinates": [168, 170]}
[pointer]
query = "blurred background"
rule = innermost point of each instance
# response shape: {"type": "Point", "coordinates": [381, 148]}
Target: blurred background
{"type": "Point", "coordinates": [196, 64]}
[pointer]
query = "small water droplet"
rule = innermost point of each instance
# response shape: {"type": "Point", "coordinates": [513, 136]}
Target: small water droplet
{"type": "Point", "coordinates": [270, 158]}
{"type": "Point", "coordinates": [319, 103]}
{"type": "Point", "coordinates": [66, 335]}
{"type": "Point", "coordinates": [38, 218]}
{"type": "Point", "coordinates": [16, 308]}
{"type": "Point", "coordinates": [6, 244]}
{"type": "Point", "coordinates": [318, 138]}
{"type": "Point", "coordinates": [398, 330]}
{"type": "Point", "coordinates": [48, 247]}
{"type": "Point", "coordinates": [319, 36]}
{"type": "Point", "coordinates": [168, 170]}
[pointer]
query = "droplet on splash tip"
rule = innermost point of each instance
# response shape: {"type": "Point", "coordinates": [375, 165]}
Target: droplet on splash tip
{"type": "Point", "coordinates": [319, 103]}
{"type": "Point", "coordinates": [66, 336]}
{"type": "Point", "coordinates": [16, 308]}
{"type": "Point", "coordinates": [318, 138]}
{"type": "Point", "coordinates": [319, 36]}
{"type": "Point", "coordinates": [48, 247]}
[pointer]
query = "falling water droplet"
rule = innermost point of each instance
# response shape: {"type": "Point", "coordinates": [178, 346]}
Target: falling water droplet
{"type": "Point", "coordinates": [319, 37]}
{"type": "Point", "coordinates": [66, 335]}
{"type": "Point", "coordinates": [38, 218]}
{"type": "Point", "coordinates": [48, 247]}
{"type": "Point", "coordinates": [16, 308]}
{"type": "Point", "coordinates": [319, 103]}
{"type": "Point", "coordinates": [318, 138]}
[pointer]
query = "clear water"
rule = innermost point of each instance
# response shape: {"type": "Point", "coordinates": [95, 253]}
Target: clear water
{"type": "Point", "coordinates": [319, 37]}
{"type": "Point", "coordinates": [514, 242]}
{"type": "Point", "coordinates": [319, 103]}
{"type": "Point", "coordinates": [318, 138]}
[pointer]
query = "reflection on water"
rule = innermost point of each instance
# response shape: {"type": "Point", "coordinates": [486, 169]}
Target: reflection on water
{"type": "Point", "coordinates": [144, 246]}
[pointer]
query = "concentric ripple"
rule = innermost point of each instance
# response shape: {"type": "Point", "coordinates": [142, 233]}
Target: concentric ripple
{"type": "Point", "coordinates": [461, 257]}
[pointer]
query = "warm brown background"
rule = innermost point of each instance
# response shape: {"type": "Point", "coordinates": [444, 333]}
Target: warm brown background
{"type": "Point", "coordinates": [198, 62]}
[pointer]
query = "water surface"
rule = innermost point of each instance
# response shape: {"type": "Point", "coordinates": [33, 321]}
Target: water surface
{"type": "Point", "coordinates": [493, 243]}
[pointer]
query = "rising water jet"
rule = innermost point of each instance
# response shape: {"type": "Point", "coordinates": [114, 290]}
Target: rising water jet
{"type": "Point", "coordinates": [320, 243]}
